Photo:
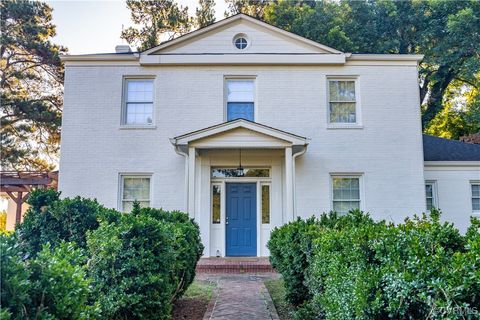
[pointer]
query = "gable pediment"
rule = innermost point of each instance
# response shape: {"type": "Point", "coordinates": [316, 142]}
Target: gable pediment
{"type": "Point", "coordinates": [262, 38]}
{"type": "Point", "coordinates": [239, 134]}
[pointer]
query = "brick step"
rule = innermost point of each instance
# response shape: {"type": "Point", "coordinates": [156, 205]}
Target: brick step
{"type": "Point", "coordinates": [234, 265]}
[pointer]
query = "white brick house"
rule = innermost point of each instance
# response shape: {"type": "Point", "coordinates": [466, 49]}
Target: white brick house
{"type": "Point", "coordinates": [312, 129]}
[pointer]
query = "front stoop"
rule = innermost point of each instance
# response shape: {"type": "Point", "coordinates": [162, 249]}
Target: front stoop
{"type": "Point", "coordinates": [234, 265]}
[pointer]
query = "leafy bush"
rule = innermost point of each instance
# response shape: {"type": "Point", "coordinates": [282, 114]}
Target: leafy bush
{"type": "Point", "coordinates": [290, 246]}
{"type": "Point", "coordinates": [51, 220]}
{"type": "Point", "coordinates": [51, 286]}
{"type": "Point", "coordinates": [187, 244]}
{"type": "Point", "coordinates": [143, 262]}
{"type": "Point", "coordinates": [356, 268]}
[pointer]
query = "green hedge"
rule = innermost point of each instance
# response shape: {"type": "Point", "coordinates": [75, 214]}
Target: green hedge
{"type": "Point", "coordinates": [351, 267]}
{"type": "Point", "coordinates": [51, 220]}
{"type": "Point", "coordinates": [75, 259]}
{"type": "Point", "coordinates": [54, 285]}
{"type": "Point", "coordinates": [143, 262]}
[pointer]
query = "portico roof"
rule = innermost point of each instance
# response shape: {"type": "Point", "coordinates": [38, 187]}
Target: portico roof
{"type": "Point", "coordinates": [240, 133]}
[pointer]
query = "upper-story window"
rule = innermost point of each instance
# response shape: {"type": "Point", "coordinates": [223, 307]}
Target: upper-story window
{"type": "Point", "coordinates": [138, 109]}
{"type": "Point", "coordinates": [240, 99]}
{"type": "Point", "coordinates": [342, 99]}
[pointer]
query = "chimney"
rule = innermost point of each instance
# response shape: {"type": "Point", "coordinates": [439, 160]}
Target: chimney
{"type": "Point", "coordinates": [123, 48]}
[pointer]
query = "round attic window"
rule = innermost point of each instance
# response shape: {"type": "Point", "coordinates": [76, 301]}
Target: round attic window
{"type": "Point", "coordinates": [240, 41]}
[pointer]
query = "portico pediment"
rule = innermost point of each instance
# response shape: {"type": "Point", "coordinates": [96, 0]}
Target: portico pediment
{"type": "Point", "coordinates": [239, 134]}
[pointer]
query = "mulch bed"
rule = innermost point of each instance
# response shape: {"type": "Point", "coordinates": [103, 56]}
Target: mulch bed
{"type": "Point", "coordinates": [190, 308]}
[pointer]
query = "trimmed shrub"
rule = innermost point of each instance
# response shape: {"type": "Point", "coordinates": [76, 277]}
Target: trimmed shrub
{"type": "Point", "coordinates": [143, 262]}
{"type": "Point", "coordinates": [51, 220]}
{"type": "Point", "coordinates": [51, 286]}
{"type": "Point", "coordinates": [290, 246]}
{"type": "Point", "coordinates": [357, 268]}
{"type": "Point", "coordinates": [187, 244]}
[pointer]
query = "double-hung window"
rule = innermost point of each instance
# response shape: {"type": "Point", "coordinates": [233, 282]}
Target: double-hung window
{"type": "Point", "coordinates": [135, 188]}
{"type": "Point", "coordinates": [430, 194]}
{"type": "Point", "coordinates": [342, 101]}
{"type": "Point", "coordinates": [346, 194]}
{"type": "Point", "coordinates": [138, 108]}
{"type": "Point", "coordinates": [475, 197]}
{"type": "Point", "coordinates": [240, 99]}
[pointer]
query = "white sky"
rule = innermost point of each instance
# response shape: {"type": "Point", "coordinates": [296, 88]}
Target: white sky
{"type": "Point", "coordinates": [86, 26]}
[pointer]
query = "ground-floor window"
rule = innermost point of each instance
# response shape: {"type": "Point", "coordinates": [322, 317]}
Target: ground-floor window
{"type": "Point", "coordinates": [134, 188]}
{"type": "Point", "coordinates": [265, 203]}
{"type": "Point", "coordinates": [346, 193]}
{"type": "Point", "coordinates": [216, 202]}
{"type": "Point", "coordinates": [430, 194]}
{"type": "Point", "coordinates": [475, 196]}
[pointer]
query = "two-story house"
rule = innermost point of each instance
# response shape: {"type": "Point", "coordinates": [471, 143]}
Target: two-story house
{"type": "Point", "coordinates": [246, 126]}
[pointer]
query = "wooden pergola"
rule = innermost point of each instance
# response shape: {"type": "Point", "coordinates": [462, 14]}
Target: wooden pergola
{"type": "Point", "coordinates": [18, 185]}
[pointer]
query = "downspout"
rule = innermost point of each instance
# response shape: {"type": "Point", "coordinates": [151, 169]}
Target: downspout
{"type": "Point", "coordinates": [185, 155]}
{"type": "Point", "coordinates": [297, 154]}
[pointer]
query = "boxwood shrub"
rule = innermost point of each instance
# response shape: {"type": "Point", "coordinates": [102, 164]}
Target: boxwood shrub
{"type": "Point", "coordinates": [143, 262]}
{"type": "Point", "coordinates": [351, 267]}
{"type": "Point", "coordinates": [53, 285]}
{"type": "Point", "coordinates": [51, 220]}
{"type": "Point", "coordinates": [75, 259]}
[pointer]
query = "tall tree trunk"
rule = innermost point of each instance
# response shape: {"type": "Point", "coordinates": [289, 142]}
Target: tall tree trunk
{"type": "Point", "coordinates": [434, 105]}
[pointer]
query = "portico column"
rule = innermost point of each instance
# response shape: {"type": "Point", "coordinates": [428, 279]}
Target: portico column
{"type": "Point", "coordinates": [289, 183]}
{"type": "Point", "coordinates": [191, 182]}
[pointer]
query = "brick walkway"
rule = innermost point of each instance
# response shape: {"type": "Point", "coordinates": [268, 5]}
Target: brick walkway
{"type": "Point", "coordinates": [240, 297]}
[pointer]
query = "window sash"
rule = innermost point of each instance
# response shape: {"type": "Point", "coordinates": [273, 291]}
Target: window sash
{"type": "Point", "coordinates": [216, 203]}
{"type": "Point", "coordinates": [342, 105]}
{"type": "Point", "coordinates": [430, 195]}
{"type": "Point", "coordinates": [265, 205]}
{"type": "Point", "coordinates": [346, 194]}
{"type": "Point", "coordinates": [139, 102]}
{"type": "Point", "coordinates": [475, 187]}
{"type": "Point", "coordinates": [128, 196]}
{"type": "Point", "coordinates": [240, 99]}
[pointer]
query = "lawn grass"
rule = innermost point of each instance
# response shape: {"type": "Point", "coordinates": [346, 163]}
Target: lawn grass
{"type": "Point", "coordinates": [193, 304]}
{"type": "Point", "coordinates": [277, 292]}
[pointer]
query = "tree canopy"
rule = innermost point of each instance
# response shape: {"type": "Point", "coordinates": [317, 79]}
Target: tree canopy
{"type": "Point", "coordinates": [32, 86]}
{"type": "Point", "coordinates": [446, 32]}
{"type": "Point", "coordinates": [205, 14]}
{"type": "Point", "coordinates": [155, 20]}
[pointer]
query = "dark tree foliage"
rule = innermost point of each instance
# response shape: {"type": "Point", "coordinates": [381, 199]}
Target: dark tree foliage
{"type": "Point", "coordinates": [31, 86]}
{"type": "Point", "coordinates": [446, 32]}
{"type": "Point", "coordinates": [205, 14]}
{"type": "Point", "coordinates": [157, 21]}
{"type": "Point", "coordinates": [254, 8]}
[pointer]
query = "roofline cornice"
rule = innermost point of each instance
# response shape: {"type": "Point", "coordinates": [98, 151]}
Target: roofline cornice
{"type": "Point", "coordinates": [384, 57]}
{"type": "Point", "coordinates": [100, 57]}
{"type": "Point", "coordinates": [474, 164]}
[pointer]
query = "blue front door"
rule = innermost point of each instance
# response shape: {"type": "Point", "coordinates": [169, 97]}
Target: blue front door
{"type": "Point", "coordinates": [241, 219]}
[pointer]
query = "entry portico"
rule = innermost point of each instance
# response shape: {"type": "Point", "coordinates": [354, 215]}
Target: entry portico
{"type": "Point", "coordinates": [239, 155]}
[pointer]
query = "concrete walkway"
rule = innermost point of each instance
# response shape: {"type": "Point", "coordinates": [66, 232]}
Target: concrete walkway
{"type": "Point", "coordinates": [240, 297]}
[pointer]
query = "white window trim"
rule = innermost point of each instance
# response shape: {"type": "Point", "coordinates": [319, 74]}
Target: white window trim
{"type": "Point", "coordinates": [359, 176]}
{"type": "Point", "coordinates": [123, 115]}
{"type": "Point", "coordinates": [122, 176]}
{"type": "Point", "coordinates": [434, 193]}
{"type": "Point", "coordinates": [358, 124]}
{"type": "Point", "coordinates": [474, 212]}
{"type": "Point", "coordinates": [225, 93]}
